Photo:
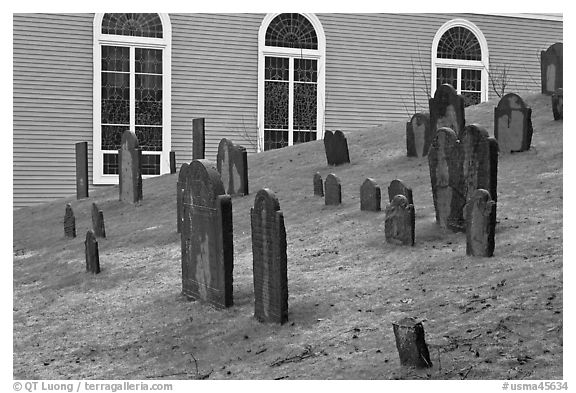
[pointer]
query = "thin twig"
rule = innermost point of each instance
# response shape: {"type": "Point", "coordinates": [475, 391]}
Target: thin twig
{"type": "Point", "coordinates": [467, 372]}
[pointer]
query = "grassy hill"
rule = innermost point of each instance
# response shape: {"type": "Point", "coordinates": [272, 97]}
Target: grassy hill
{"type": "Point", "coordinates": [485, 318]}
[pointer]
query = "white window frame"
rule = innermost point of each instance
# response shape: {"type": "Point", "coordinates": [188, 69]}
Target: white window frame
{"type": "Point", "coordinates": [317, 54]}
{"type": "Point", "coordinates": [482, 65]}
{"type": "Point", "coordinates": [165, 44]}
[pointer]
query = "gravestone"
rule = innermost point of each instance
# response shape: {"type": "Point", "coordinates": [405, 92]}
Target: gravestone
{"type": "Point", "coordinates": [480, 213]}
{"type": "Point", "coordinates": [180, 187]}
{"type": "Point", "coordinates": [480, 161]}
{"type": "Point", "coordinates": [207, 237]}
{"type": "Point", "coordinates": [418, 135]}
{"type": "Point", "coordinates": [198, 139]}
{"type": "Point", "coordinates": [232, 164]}
{"type": "Point", "coordinates": [172, 162]}
{"type": "Point", "coordinates": [130, 173]}
{"type": "Point", "coordinates": [558, 104]}
{"type": "Point", "coordinates": [400, 221]}
{"type": "Point", "coordinates": [370, 196]}
{"type": "Point", "coordinates": [269, 259]}
{"type": "Point", "coordinates": [318, 186]}
{"type": "Point", "coordinates": [336, 147]}
{"type": "Point", "coordinates": [397, 187]}
{"type": "Point", "coordinates": [332, 190]}
{"type": "Point", "coordinates": [447, 110]}
{"type": "Point", "coordinates": [551, 68]}
{"type": "Point", "coordinates": [411, 343]}
{"type": "Point", "coordinates": [98, 221]}
{"type": "Point", "coordinates": [81, 170]}
{"type": "Point", "coordinates": [513, 124]}
{"type": "Point", "coordinates": [446, 175]}
{"type": "Point", "coordinates": [69, 222]}
{"type": "Point", "coordinates": [91, 250]}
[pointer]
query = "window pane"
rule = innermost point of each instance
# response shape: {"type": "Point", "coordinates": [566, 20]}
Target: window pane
{"type": "Point", "coordinates": [110, 163]}
{"type": "Point", "coordinates": [276, 68]}
{"type": "Point", "coordinates": [291, 31]}
{"type": "Point", "coordinates": [471, 98]}
{"type": "Point", "coordinates": [471, 80]}
{"type": "Point", "coordinates": [305, 70]}
{"type": "Point", "coordinates": [115, 58]}
{"type": "Point", "coordinates": [132, 24]}
{"type": "Point", "coordinates": [149, 138]}
{"type": "Point", "coordinates": [459, 43]}
{"type": "Point", "coordinates": [150, 164]}
{"type": "Point", "coordinates": [148, 99]}
{"type": "Point", "coordinates": [447, 75]}
{"type": "Point", "coordinates": [115, 98]}
{"type": "Point", "coordinates": [148, 61]}
{"type": "Point", "coordinates": [304, 136]}
{"type": "Point", "coordinates": [112, 137]}
{"type": "Point", "coordinates": [274, 139]}
{"type": "Point", "coordinates": [305, 106]}
{"type": "Point", "coordinates": [276, 105]}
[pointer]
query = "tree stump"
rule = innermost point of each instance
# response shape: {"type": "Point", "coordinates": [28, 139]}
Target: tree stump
{"type": "Point", "coordinates": [411, 344]}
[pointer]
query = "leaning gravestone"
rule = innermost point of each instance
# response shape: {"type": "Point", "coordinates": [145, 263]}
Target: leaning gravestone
{"type": "Point", "coordinates": [69, 222]}
{"type": "Point", "coordinates": [480, 213]}
{"type": "Point", "coordinates": [130, 173]}
{"type": "Point", "coordinates": [411, 343]}
{"type": "Point", "coordinates": [180, 187]}
{"type": "Point", "coordinates": [370, 196]}
{"type": "Point", "coordinates": [418, 135]}
{"type": "Point", "coordinates": [232, 164]}
{"type": "Point", "coordinates": [480, 161]}
{"type": "Point", "coordinates": [513, 124]}
{"type": "Point", "coordinates": [397, 187]}
{"type": "Point", "coordinates": [551, 68]}
{"type": "Point", "coordinates": [269, 259]}
{"type": "Point", "coordinates": [98, 221]}
{"type": "Point", "coordinates": [198, 139]}
{"type": "Point", "coordinates": [172, 162]}
{"type": "Point", "coordinates": [207, 238]}
{"type": "Point", "coordinates": [336, 147]}
{"type": "Point", "coordinates": [318, 186]}
{"type": "Point", "coordinates": [447, 110]}
{"type": "Point", "coordinates": [91, 250]}
{"type": "Point", "coordinates": [400, 221]}
{"type": "Point", "coordinates": [445, 162]}
{"type": "Point", "coordinates": [558, 104]}
{"type": "Point", "coordinates": [333, 190]}
{"type": "Point", "coordinates": [81, 170]}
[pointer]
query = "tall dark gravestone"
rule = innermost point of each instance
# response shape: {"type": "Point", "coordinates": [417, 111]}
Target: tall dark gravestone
{"type": "Point", "coordinates": [479, 161]}
{"type": "Point", "coordinates": [198, 139]}
{"type": "Point", "coordinates": [318, 185]}
{"type": "Point", "coordinates": [551, 69]}
{"type": "Point", "coordinates": [400, 221]}
{"type": "Point", "coordinates": [336, 147]}
{"type": "Point", "coordinates": [180, 187]}
{"type": "Point", "coordinates": [513, 124]}
{"type": "Point", "coordinates": [98, 221]}
{"type": "Point", "coordinates": [447, 110]}
{"type": "Point", "coordinates": [397, 187]}
{"type": "Point", "coordinates": [558, 104]}
{"type": "Point", "coordinates": [232, 164]}
{"type": "Point", "coordinates": [411, 343]}
{"type": "Point", "coordinates": [269, 259]}
{"type": "Point", "coordinates": [418, 135]}
{"type": "Point", "coordinates": [172, 162]}
{"type": "Point", "coordinates": [130, 173]}
{"type": "Point", "coordinates": [480, 214]}
{"type": "Point", "coordinates": [370, 196]}
{"type": "Point", "coordinates": [207, 237]}
{"type": "Point", "coordinates": [91, 250]}
{"type": "Point", "coordinates": [69, 222]}
{"type": "Point", "coordinates": [332, 190]}
{"type": "Point", "coordinates": [81, 170]}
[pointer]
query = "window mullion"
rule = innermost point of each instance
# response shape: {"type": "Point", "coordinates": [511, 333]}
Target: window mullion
{"type": "Point", "coordinates": [291, 101]}
{"type": "Point", "coordinates": [459, 80]}
{"type": "Point", "coordinates": [132, 89]}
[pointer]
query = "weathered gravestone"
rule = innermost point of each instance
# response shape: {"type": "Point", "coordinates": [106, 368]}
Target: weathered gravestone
{"type": "Point", "coordinates": [397, 187]}
{"type": "Point", "coordinates": [91, 250]}
{"type": "Point", "coordinates": [480, 214]}
{"type": "Point", "coordinates": [81, 170]}
{"type": "Point", "coordinates": [232, 164]}
{"type": "Point", "coordinates": [513, 124]}
{"type": "Point", "coordinates": [418, 135]}
{"type": "Point", "coordinates": [447, 178]}
{"type": "Point", "coordinates": [400, 221]}
{"type": "Point", "coordinates": [318, 186]}
{"type": "Point", "coordinates": [172, 162]}
{"type": "Point", "coordinates": [480, 161]}
{"type": "Point", "coordinates": [198, 139]}
{"type": "Point", "coordinates": [69, 222]}
{"type": "Point", "coordinates": [558, 104]}
{"type": "Point", "coordinates": [336, 147]}
{"type": "Point", "coordinates": [180, 187]}
{"type": "Point", "coordinates": [130, 173]}
{"type": "Point", "coordinates": [411, 343]}
{"type": "Point", "coordinates": [332, 190]}
{"type": "Point", "coordinates": [447, 110]}
{"type": "Point", "coordinates": [551, 69]}
{"type": "Point", "coordinates": [207, 242]}
{"type": "Point", "coordinates": [370, 196]}
{"type": "Point", "coordinates": [98, 221]}
{"type": "Point", "coordinates": [269, 259]}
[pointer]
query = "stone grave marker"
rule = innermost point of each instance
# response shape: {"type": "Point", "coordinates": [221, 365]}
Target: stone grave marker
{"type": "Point", "coordinates": [130, 171]}
{"type": "Point", "coordinates": [558, 104]}
{"type": "Point", "coordinates": [513, 124]}
{"type": "Point", "coordinates": [318, 185]}
{"type": "Point", "coordinates": [198, 139]}
{"type": "Point", "coordinates": [336, 147]}
{"type": "Point", "coordinates": [447, 110]}
{"type": "Point", "coordinates": [480, 214]}
{"type": "Point", "coordinates": [418, 135]}
{"type": "Point", "coordinates": [411, 343]}
{"type": "Point", "coordinates": [332, 190]}
{"type": "Point", "coordinates": [370, 196]}
{"type": "Point", "coordinates": [551, 68]}
{"type": "Point", "coordinates": [207, 237]}
{"type": "Point", "coordinates": [98, 221]}
{"type": "Point", "coordinates": [480, 161]}
{"type": "Point", "coordinates": [269, 259]}
{"type": "Point", "coordinates": [397, 187]}
{"type": "Point", "coordinates": [232, 164]}
{"type": "Point", "coordinates": [180, 187]}
{"type": "Point", "coordinates": [172, 162]}
{"type": "Point", "coordinates": [400, 221]}
{"type": "Point", "coordinates": [91, 249]}
{"type": "Point", "coordinates": [81, 149]}
{"type": "Point", "coordinates": [69, 222]}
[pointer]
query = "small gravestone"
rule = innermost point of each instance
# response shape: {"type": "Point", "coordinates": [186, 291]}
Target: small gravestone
{"type": "Point", "coordinates": [479, 163]}
{"type": "Point", "coordinates": [370, 196]}
{"type": "Point", "coordinates": [445, 162]}
{"type": "Point", "coordinates": [400, 221]}
{"type": "Point", "coordinates": [332, 190]}
{"type": "Point", "coordinates": [98, 221]}
{"type": "Point", "coordinates": [418, 135]}
{"type": "Point", "coordinates": [130, 173]}
{"type": "Point", "coordinates": [411, 343]}
{"type": "Point", "coordinates": [81, 170]}
{"type": "Point", "coordinates": [558, 104]}
{"type": "Point", "coordinates": [172, 162]}
{"type": "Point", "coordinates": [269, 259]}
{"type": "Point", "coordinates": [397, 187]}
{"type": "Point", "coordinates": [513, 124]}
{"type": "Point", "coordinates": [198, 140]}
{"type": "Point", "coordinates": [232, 164]}
{"type": "Point", "coordinates": [447, 110]}
{"type": "Point", "coordinates": [180, 187]}
{"type": "Point", "coordinates": [318, 186]}
{"type": "Point", "coordinates": [69, 222]}
{"type": "Point", "coordinates": [207, 245]}
{"type": "Point", "coordinates": [336, 147]}
{"type": "Point", "coordinates": [551, 68]}
{"type": "Point", "coordinates": [92, 257]}
{"type": "Point", "coordinates": [480, 214]}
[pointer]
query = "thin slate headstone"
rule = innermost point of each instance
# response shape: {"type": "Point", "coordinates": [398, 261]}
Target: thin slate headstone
{"type": "Point", "coordinates": [198, 139]}
{"type": "Point", "coordinates": [130, 173]}
{"type": "Point", "coordinates": [558, 104]}
{"type": "Point", "coordinates": [370, 196]}
{"type": "Point", "coordinates": [411, 343]}
{"type": "Point", "coordinates": [400, 221]}
{"type": "Point", "coordinates": [69, 222]}
{"type": "Point", "coordinates": [513, 124]}
{"type": "Point", "coordinates": [418, 135]}
{"type": "Point", "coordinates": [318, 185]}
{"type": "Point", "coordinates": [91, 250]}
{"type": "Point", "coordinates": [81, 170]}
{"type": "Point", "coordinates": [232, 164]}
{"type": "Point", "coordinates": [480, 164]}
{"type": "Point", "coordinates": [98, 221]}
{"type": "Point", "coordinates": [207, 237]}
{"type": "Point", "coordinates": [332, 190]}
{"type": "Point", "coordinates": [336, 148]}
{"type": "Point", "coordinates": [180, 187]}
{"type": "Point", "coordinates": [480, 214]}
{"type": "Point", "coordinates": [551, 68]}
{"type": "Point", "coordinates": [172, 162]}
{"type": "Point", "coordinates": [397, 187]}
{"type": "Point", "coordinates": [269, 259]}
{"type": "Point", "coordinates": [447, 110]}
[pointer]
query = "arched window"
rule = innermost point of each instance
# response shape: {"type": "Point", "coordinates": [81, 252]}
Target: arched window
{"type": "Point", "coordinates": [290, 80]}
{"type": "Point", "coordinates": [460, 58]}
{"type": "Point", "coordinates": [131, 91]}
